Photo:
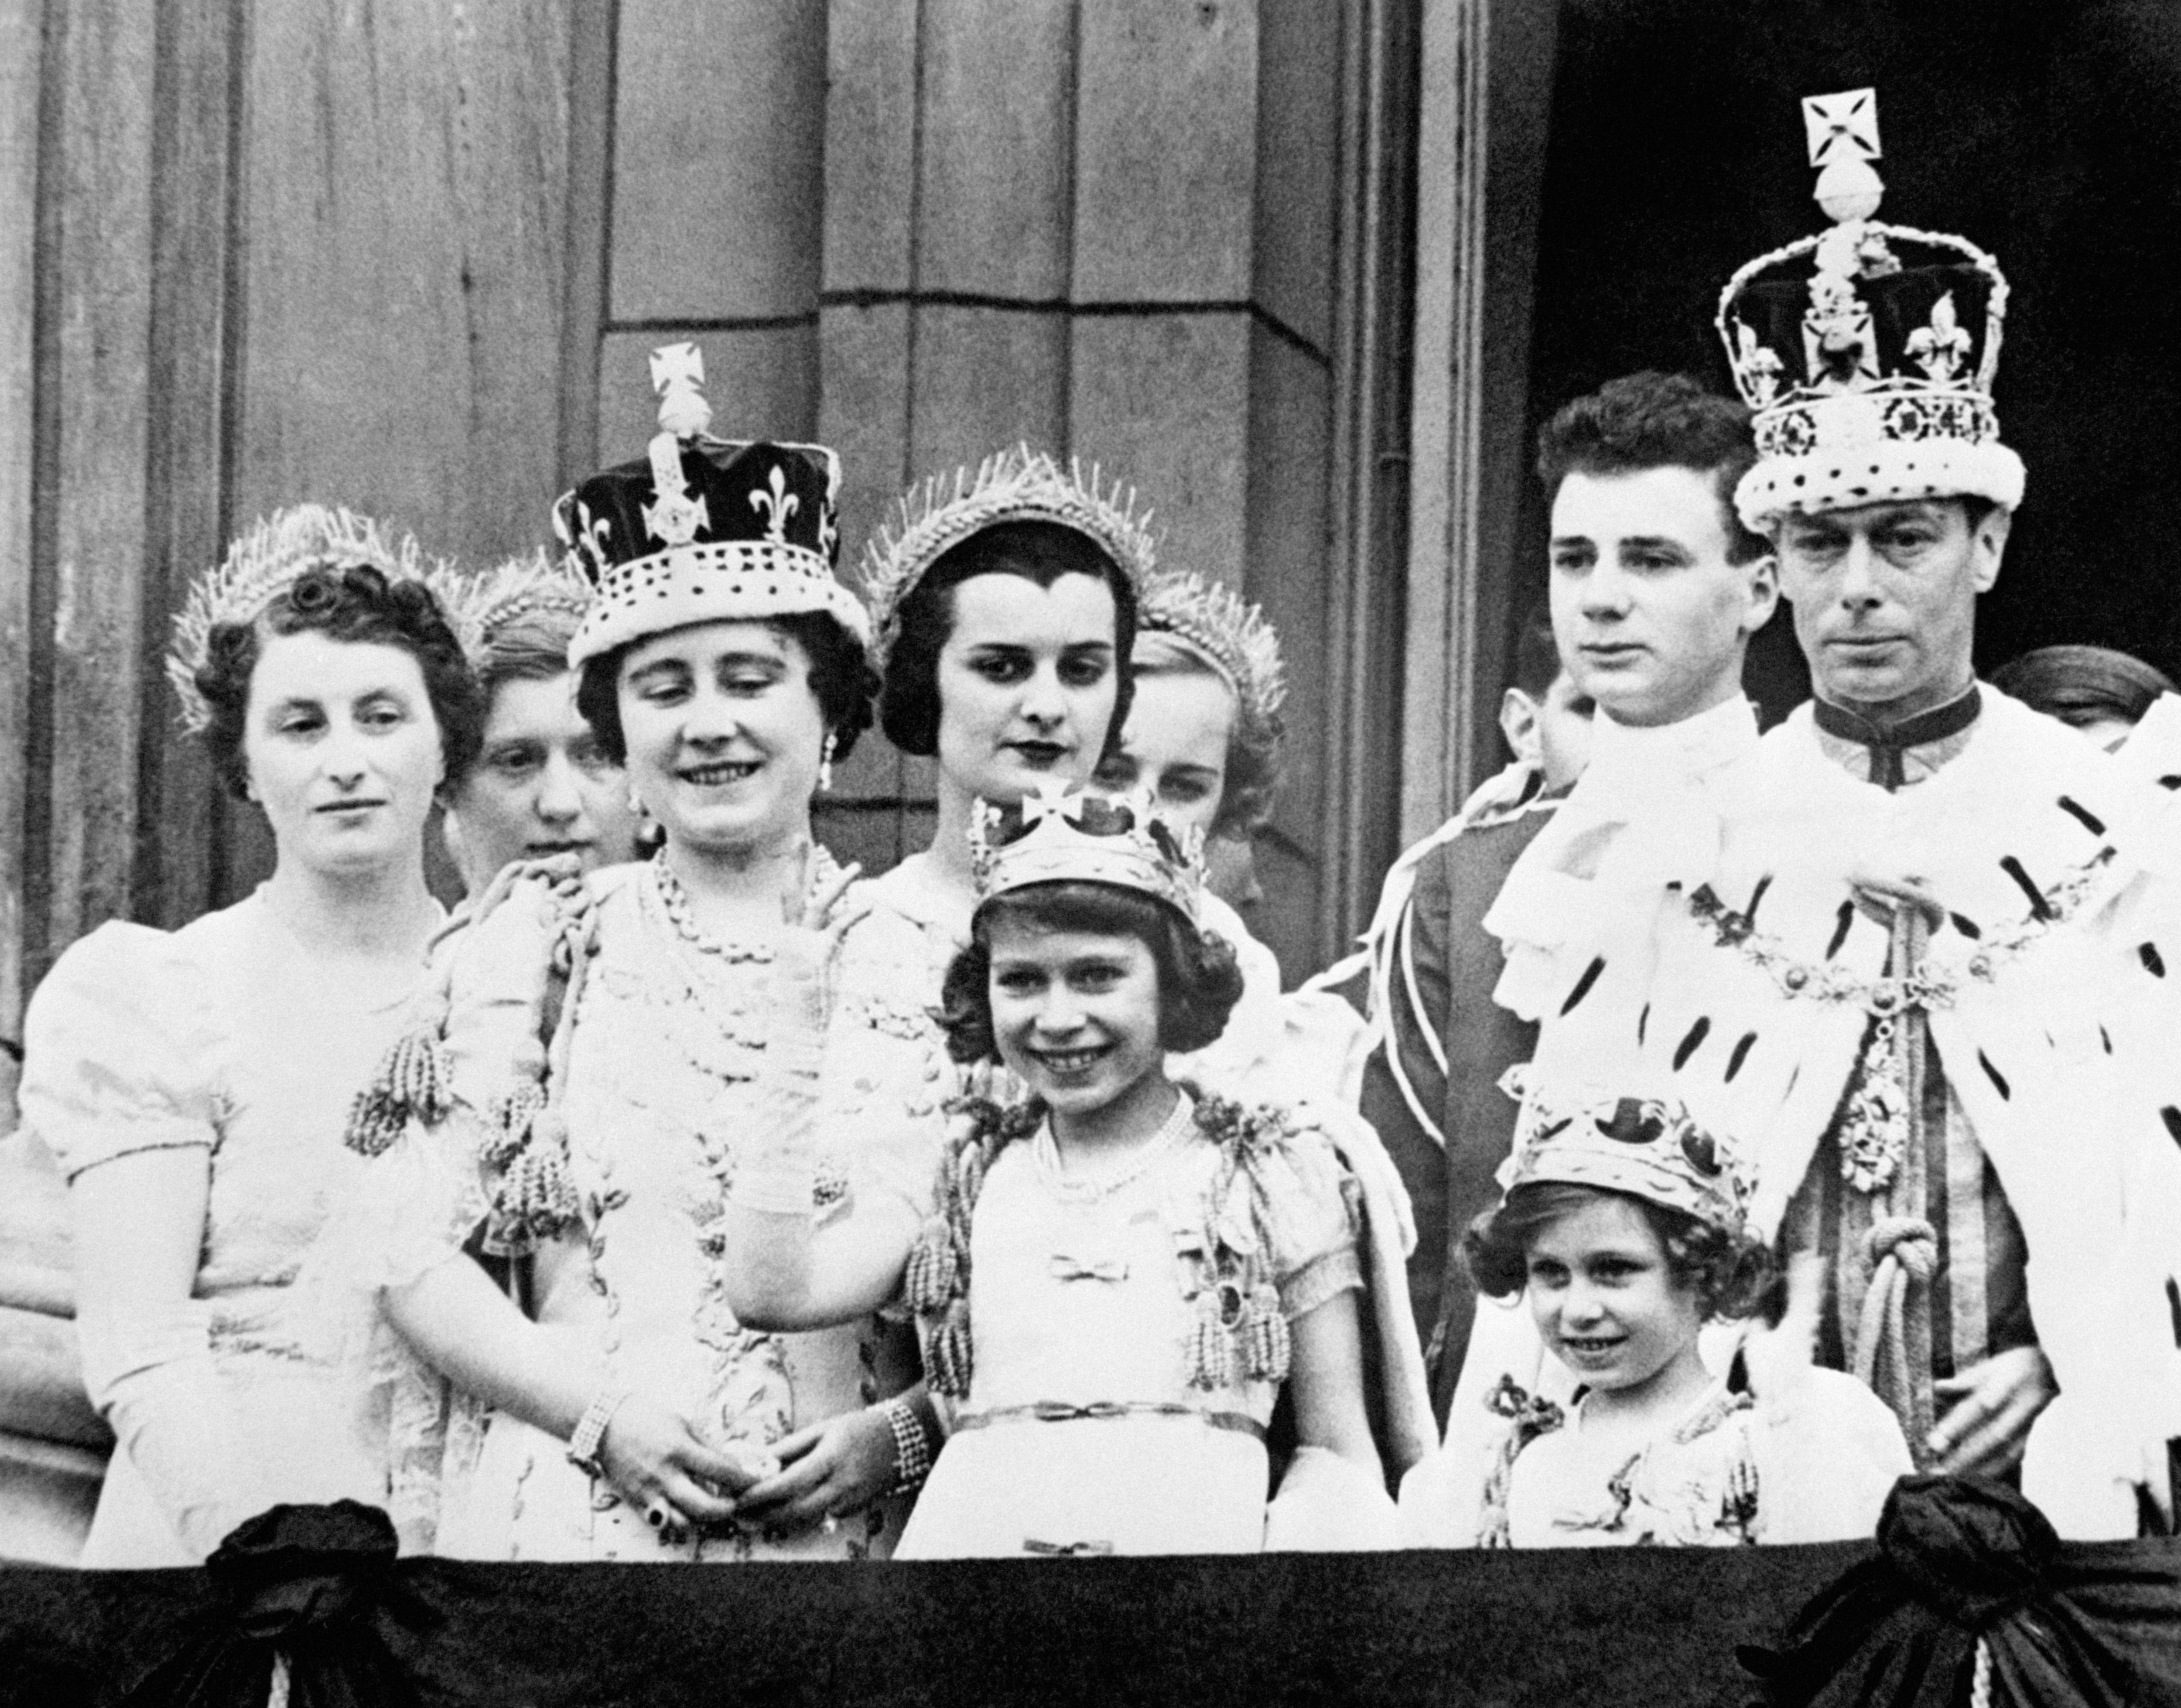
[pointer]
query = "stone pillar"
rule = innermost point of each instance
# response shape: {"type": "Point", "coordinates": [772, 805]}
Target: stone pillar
{"type": "Point", "coordinates": [1487, 87]}
{"type": "Point", "coordinates": [1109, 229]}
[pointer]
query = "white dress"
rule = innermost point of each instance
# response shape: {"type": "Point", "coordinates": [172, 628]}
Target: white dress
{"type": "Point", "coordinates": [1300, 1051]}
{"type": "Point", "coordinates": [226, 1036]}
{"type": "Point", "coordinates": [661, 1081]}
{"type": "Point", "coordinates": [1082, 1432]}
{"type": "Point", "coordinates": [1809, 1457]}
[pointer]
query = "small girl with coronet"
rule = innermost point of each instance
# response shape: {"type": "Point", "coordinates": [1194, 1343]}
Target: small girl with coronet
{"type": "Point", "coordinates": [1624, 1222]}
{"type": "Point", "coordinates": [1119, 1273]}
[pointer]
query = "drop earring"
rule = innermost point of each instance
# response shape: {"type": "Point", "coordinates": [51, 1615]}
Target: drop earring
{"type": "Point", "coordinates": [826, 765]}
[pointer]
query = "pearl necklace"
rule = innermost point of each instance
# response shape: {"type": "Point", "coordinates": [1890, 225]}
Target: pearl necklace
{"type": "Point", "coordinates": [675, 900]}
{"type": "Point", "coordinates": [1045, 1149]}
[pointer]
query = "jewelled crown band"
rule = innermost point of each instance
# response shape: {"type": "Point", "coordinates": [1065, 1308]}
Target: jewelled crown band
{"type": "Point", "coordinates": [263, 562]}
{"type": "Point", "coordinates": [1064, 835]}
{"type": "Point", "coordinates": [1649, 1148]}
{"type": "Point", "coordinates": [1867, 352]}
{"type": "Point", "coordinates": [1013, 486]}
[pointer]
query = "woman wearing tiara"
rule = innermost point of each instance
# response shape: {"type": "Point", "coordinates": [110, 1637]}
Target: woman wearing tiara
{"type": "Point", "coordinates": [542, 783]}
{"type": "Point", "coordinates": [193, 1083]}
{"type": "Point", "coordinates": [1006, 610]}
{"type": "Point", "coordinates": [1204, 736]}
{"type": "Point", "coordinates": [599, 1052]}
{"type": "Point", "coordinates": [1121, 1273]}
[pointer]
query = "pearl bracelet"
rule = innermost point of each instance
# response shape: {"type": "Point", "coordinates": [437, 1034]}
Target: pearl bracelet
{"type": "Point", "coordinates": [590, 1431]}
{"type": "Point", "coordinates": [912, 1447]}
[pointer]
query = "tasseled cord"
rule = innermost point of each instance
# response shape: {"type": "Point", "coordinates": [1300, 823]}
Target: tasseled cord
{"type": "Point", "coordinates": [535, 1197]}
{"type": "Point", "coordinates": [1238, 1331]}
{"type": "Point", "coordinates": [937, 1283]}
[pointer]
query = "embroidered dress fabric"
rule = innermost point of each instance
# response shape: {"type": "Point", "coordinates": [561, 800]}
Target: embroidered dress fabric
{"type": "Point", "coordinates": [664, 1074]}
{"type": "Point", "coordinates": [1077, 1300]}
{"type": "Point", "coordinates": [227, 1035]}
{"type": "Point", "coordinates": [1712, 1479]}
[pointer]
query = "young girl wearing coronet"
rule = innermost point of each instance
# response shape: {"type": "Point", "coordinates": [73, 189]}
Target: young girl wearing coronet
{"type": "Point", "coordinates": [1119, 1273]}
{"type": "Point", "coordinates": [1624, 1220]}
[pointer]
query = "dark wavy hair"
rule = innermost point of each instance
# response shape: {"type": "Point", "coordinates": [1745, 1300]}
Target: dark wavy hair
{"type": "Point", "coordinates": [351, 602]}
{"type": "Point", "coordinates": [1733, 1277]}
{"type": "Point", "coordinates": [1037, 551]}
{"type": "Point", "coordinates": [840, 677]}
{"type": "Point", "coordinates": [1652, 421]}
{"type": "Point", "coordinates": [2081, 686]}
{"type": "Point", "coordinates": [1199, 979]}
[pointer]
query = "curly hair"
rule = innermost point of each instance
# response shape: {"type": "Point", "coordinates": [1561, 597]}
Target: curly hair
{"type": "Point", "coordinates": [1732, 1276]}
{"type": "Point", "coordinates": [353, 602]}
{"type": "Point", "coordinates": [1255, 745]}
{"type": "Point", "coordinates": [1200, 981]}
{"type": "Point", "coordinates": [1037, 551]}
{"type": "Point", "coordinates": [1651, 421]}
{"type": "Point", "coordinates": [840, 677]}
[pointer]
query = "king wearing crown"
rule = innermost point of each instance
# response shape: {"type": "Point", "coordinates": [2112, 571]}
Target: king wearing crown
{"type": "Point", "coordinates": [1910, 957]}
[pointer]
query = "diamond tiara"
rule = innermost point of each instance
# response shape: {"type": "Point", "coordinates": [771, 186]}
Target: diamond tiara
{"type": "Point", "coordinates": [263, 562]}
{"type": "Point", "coordinates": [1010, 486]}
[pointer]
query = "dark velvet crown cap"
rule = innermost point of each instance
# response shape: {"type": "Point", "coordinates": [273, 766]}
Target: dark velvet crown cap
{"type": "Point", "coordinates": [704, 529]}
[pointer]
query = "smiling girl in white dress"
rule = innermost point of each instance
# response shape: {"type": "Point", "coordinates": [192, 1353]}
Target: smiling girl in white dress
{"type": "Point", "coordinates": [1623, 1225]}
{"type": "Point", "coordinates": [1119, 1273]}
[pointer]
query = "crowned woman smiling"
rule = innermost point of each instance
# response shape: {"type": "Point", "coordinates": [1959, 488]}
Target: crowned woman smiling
{"type": "Point", "coordinates": [600, 1051]}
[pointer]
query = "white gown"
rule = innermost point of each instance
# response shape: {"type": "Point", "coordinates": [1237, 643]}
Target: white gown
{"type": "Point", "coordinates": [228, 1036]}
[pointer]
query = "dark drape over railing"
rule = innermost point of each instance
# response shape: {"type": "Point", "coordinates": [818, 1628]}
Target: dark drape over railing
{"type": "Point", "coordinates": [1959, 1564]}
{"type": "Point", "coordinates": [1566, 1629]}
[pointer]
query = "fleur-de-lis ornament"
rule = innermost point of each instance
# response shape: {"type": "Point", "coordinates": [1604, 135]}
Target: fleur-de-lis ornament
{"type": "Point", "coordinates": [1941, 348]}
{"type": "Point", "coordinates": [1759, 367]}
{"type": "Point", "coordinates": [778, 504]}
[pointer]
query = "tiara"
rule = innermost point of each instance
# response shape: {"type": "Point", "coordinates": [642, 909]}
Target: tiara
{"type": "Point", "coordinates": [1010, 486]}
{"type": "Point", "coordinates": [1062, 834]}
{"type": "Point", "coordinates": [1650, 1148]}
{"type": "Point", "coordinates": [261, 564]}
{"type": "Point", "coordinates": [481, 603]}
{"type": "Point", "coordinates": [1215, 622]}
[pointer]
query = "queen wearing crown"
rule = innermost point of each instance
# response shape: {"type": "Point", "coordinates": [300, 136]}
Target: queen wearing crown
{"type": "Point", "coordinates": [584, 1080]}
{"type": "Point", "coordinates": [1119, 1273]}
{"type": "Point", "coordinates": [193, 1083]}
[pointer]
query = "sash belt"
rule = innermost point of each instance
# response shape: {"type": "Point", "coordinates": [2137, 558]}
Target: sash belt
{"type": "Point", "coordinates": [1064, 1412]}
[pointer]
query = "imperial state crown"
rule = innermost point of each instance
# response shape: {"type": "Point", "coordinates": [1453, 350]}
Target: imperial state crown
{"type": "Point", "coordinates": [1867, 352]}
